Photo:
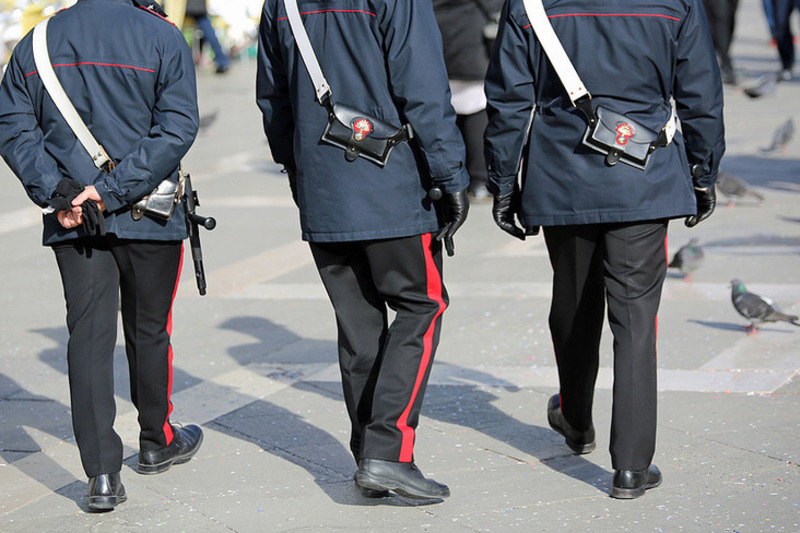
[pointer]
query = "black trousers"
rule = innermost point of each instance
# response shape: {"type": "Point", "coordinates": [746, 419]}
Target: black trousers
{"type": "Point", "coordinates": [721, 16]}
{"type": "Point", "coordinates": [622, 266]}
{"type": "Point", "coordinates": [385, 367]}
{"type": "Point", "coordinates": [97, 276]}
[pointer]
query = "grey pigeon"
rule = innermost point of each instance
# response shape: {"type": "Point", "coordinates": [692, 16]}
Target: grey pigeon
{"type": "Point", "coordinates": [757, 309]}
{"type": "Point", "coordinates": [735, 188]}
{"type": "Point", "coordinates": [207, 120]}
{"type": "Point", "coordinates": [764, 85]}
{"type": "Point", "coordinates": [781, 137]}
{"type": "Point", "coordinates": [687, 259]}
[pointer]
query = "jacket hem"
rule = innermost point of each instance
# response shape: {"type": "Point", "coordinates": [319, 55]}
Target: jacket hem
{"type": "Point", "coordinates": [370, 235]}
{"type": "Point", "coordinates": [608, 217]}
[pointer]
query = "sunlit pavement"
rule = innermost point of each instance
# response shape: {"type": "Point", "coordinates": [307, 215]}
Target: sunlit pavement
{"type": "Point", "coordinates": [255, 365]}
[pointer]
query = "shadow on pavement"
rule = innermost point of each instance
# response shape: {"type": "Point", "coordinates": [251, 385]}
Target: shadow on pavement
{"type": "Point", "coordinates": [472, 406]}
{"type": "Point", "coordinates": [286, 434]}
{"type": "Point", "coordinates": [23, 415]}
{"type": "Point", "coordinates": [734, 327]}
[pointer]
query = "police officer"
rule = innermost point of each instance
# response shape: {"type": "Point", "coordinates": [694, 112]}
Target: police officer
{"type": "Point", "coordinates": [721, 16]}
{"type": "Point", "coordinates": [605, 224]}
{"type": "Point", "coordinates": [463, 25]}
{"type": "Point", "coordinates": [135, 89]}
{"type": "Point", "coordinates": [372, 229]}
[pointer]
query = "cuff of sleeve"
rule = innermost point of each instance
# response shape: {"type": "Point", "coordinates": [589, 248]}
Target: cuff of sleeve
{"type": "Point", "coordinates": [112, 200]}
{"type": "Point", "coordinates": [501, 186]}
{"type": "Point", "coordinates": [455, 182]}
{"type": "Point", "coordinates": [705, 181]}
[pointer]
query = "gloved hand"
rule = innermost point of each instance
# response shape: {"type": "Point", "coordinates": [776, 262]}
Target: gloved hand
{"type": "Point", "coordinates": [454, 209]}
{"type": "Point", "coordinates": [66, 191]}
{"type": "Point", "coordinates": [504, 210]}
{"type": "Point", "coordinates": [706, 202]}
{"type": "Point", "coordinates": [94, 223]}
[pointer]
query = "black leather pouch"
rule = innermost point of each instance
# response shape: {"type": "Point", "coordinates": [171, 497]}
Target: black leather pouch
{"type": "Point", "coordinates": [361, 135]}
{"type": "Point", "coordinates": [620, 139]}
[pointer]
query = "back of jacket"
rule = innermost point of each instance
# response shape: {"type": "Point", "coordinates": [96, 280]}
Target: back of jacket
{"type": "Point", "coordinates": [383, 57]}
{"type": "Point", "coordinates": [635, 57]}
{"type": "Point", "coordinates": [130, 76]}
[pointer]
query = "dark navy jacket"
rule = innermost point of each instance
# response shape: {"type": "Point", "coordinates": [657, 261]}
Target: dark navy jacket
{"type": "Point", "coordinates": [383, 57]}
{"type": "Point", "coordinates": [130, 75]}
{"type": "Point", "coordinates": [634, 56]}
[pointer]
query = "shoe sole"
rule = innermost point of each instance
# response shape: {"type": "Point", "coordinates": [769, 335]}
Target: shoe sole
{"type": "Point", "coordinates": [574, 446]}
{"type": "Point", "coordinates": [372, 493]}
{"type": "Point", "coordinates": [163, 466]}
{"type": "Point", "coordinates": [580, 448]}
{"type": "Point", "coordinates": [629, 494]}
{"type": "Point", "coordinates": [105, 503]}
{"type": "Point", "coordinates": [367, 481]}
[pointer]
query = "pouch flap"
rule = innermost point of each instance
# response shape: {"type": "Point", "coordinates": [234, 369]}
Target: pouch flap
{"type": "Point", "coordinates": [618, 130]}
{"type": "Point", "coordinates": [361, 124]}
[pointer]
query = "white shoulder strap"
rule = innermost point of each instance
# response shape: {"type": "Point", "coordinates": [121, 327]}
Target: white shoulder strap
{"type": "Point", "coordinates": [42, 58]}
{"type": "Point", "coordinates": [555, 50]}
{"type": "Point", "coordinates": [321, 86]}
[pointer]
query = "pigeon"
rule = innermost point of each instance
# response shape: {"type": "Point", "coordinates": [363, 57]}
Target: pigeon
{"type": "Point", "coordinates": [687, 259]}
{"type": "Point", "coordinates": [764, 85]}
{"type": "Point", "coordinates": [757, 309]}
{"type": "Point", "coordinates": [207, 120]}
{"type": "Point", "coordinates": [735, 188]}
{"type": "Point", "coordinates": [781, 137]}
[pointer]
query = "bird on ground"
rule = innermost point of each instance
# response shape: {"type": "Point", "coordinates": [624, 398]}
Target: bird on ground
{"type": "Point", "coordinates": [764, 85]}
{"type": "Point", "coordinates": [735, 188]}
{"type": "Point", "coordinates": [781, 137]}
{"type": "Point", "coordinates": [207, 120]}
{"type": "Point", "coordinates": [688, 258]}
{"type": "Point", "coordinates": [757, 309]}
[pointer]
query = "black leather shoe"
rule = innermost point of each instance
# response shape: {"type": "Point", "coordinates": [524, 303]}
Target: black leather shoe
{"type": "Point", "coordinates": [106, 492]}
{"type": "Point", "coordinates": [578, 441]}
{"type": "Point", "coordinates": [403, 478]}
{"type": "Point", "coordinates": [371, 493]}
{"type": "Point", "coordinates": [184, 445]}
{"type": "Point", "coordinates": [630, 484]}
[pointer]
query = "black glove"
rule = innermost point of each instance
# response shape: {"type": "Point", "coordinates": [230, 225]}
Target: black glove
{"type": "Point", "coordinates": [94, 223]}
{"type": "Point", "coordinates": [504, 209]}
{"type": "Point", "coordinates": [454, 209]}
{"type": "Point", "coordinates": [706, 202]}
{"type": "Point", "coordinates": [66, 191]}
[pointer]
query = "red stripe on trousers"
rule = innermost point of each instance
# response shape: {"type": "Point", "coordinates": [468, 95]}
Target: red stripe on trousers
{"type": "Point", "coordinates": [434, 293]}
{"type": "Point", "coordinates": [167, 427]}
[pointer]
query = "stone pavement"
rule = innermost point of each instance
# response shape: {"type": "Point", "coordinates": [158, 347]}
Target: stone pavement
{"type": "Point", "coordinates": [255, 365]}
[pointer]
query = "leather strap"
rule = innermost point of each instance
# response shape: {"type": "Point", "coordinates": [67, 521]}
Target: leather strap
{"type": "Point", "coordinates": [321, 86]}
{"type": "Point", "coordinates": [555, 51]}
{"type": "Point", "coordinates": [576, 89]}
{"type": "Point", "coordinates": [48, 76]}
